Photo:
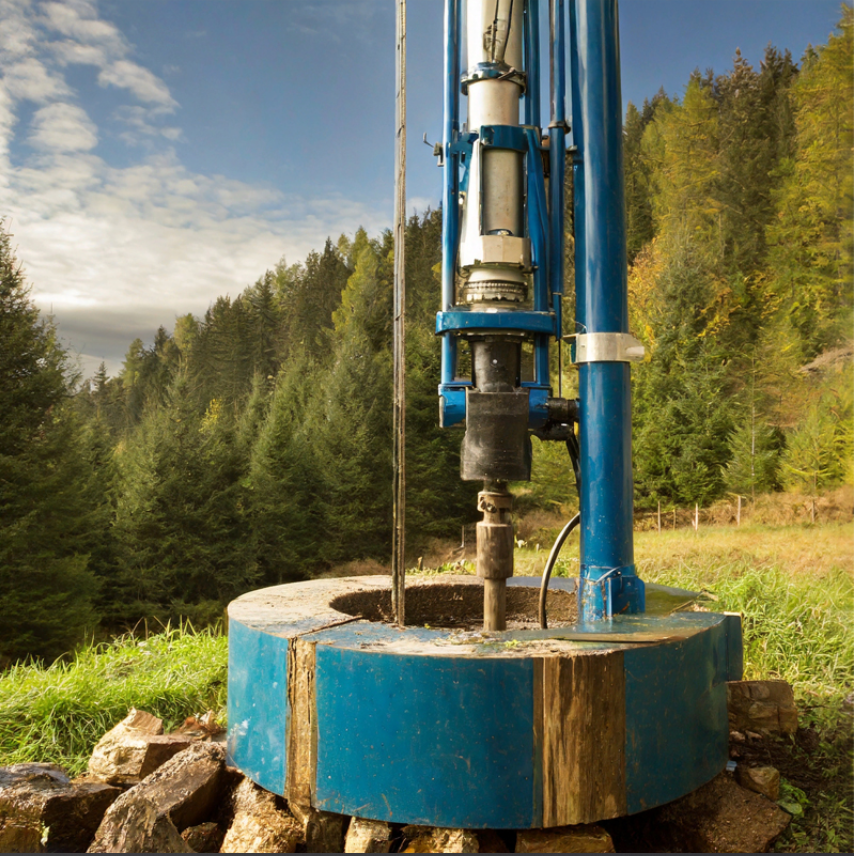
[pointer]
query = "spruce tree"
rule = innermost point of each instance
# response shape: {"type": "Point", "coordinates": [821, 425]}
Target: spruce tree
{"type": "Point", "coordinates": [47, 525]}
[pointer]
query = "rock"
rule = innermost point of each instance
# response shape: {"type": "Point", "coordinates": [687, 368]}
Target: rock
{"type": "Point", "coordinates": [260, 823]}
{"type": "Point", "coordinates": [428, 839]}
{"type": "Point", "coordinates": [489, 841]}
{"type": "Point", "coordinates": [41, 807]}
{"type": "Point", "coordinates": [763, 780]}
{"type": "Point", "coordinates": [137, 825]}
{"type": "Point", "coordinates": [367, 836]}
{"type": "Point", "coordinates": [584, 838]}
{"type": "Point", "coordinates": [204, 838]}
{"type": "Point", "coordinates": [181, 793]}
{"type": "Point", "coordinates": [135, 748]}
{"type": "Point", "coordinates": [324, 832]}
{"type": "Point", "coordinates": [736, 737]}
{"type": "Point", "coordinates": [720, 817]}
{"type": "Point", "coordinates": [764, 706]}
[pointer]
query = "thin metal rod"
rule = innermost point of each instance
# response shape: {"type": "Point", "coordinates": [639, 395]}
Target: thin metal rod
{"type": "Point", "coordinates": [450, 207]}
{"type": "Point", "coordinates": [398, 565]}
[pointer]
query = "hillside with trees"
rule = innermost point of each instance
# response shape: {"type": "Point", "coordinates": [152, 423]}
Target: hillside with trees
{"type": "Point", "coordinates": [252, 446]}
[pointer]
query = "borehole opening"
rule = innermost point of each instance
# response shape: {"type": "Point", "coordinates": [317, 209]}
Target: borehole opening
{"type": "Point", "coordinates": [457, 606]}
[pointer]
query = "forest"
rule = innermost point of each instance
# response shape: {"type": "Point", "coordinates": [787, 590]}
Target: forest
{"type": "Point", "coordinates": [252, 446]}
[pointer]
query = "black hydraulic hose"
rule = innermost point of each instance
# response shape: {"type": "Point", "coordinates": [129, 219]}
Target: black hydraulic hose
{"type": "Point", "coordinates": [572, 448]}
{"type": "Point", "coordinates": [550, 563]}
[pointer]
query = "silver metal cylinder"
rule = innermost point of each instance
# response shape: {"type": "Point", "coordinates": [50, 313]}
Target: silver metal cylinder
{"type": "Point", "coordinates": [494, 205]}
{"type": "Point", "coordinates": [492, 36]}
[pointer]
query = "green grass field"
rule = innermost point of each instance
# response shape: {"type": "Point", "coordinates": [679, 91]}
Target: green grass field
{"type": "Point", "coordinates": [793, 584]}
{"type": "Point", "coordinates": [58, 713]}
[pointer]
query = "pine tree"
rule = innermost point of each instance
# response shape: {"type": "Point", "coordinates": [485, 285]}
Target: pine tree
{"type": "Point", "coordinates": [285, 512]}
{"type": "Point", "coordinates": [47, 527]}
{"type": "Point", "coordinates": [812, 236]}
{"type": "Point", "coordinates": [181, 514]}
{"type": "Point", "coordinates": [681, 413]}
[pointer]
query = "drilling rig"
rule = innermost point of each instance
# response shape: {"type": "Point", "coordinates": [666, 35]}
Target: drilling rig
{"type": "Point", "coordinates": [341, 706]}
{"type": "Point", "coordinates": [503, 280]}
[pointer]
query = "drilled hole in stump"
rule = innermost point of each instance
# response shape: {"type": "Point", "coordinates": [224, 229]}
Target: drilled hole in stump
{"type": "Point", "coordinates": [460, 606]}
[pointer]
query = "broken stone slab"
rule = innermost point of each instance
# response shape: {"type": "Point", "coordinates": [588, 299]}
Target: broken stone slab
{"type": "Point", "coordinates": [324, 830]}
{"type": "Point", "coordinates": [204, 838]}
{"type": "Point", "coordinates": [136, 825]}
{"type": "Point", "coordinates": [763, 780]}
{"type": "Point", "coordinates": [762, 706]}
{"type": "Point", "coordinates": [583, 838]}
{"type": "Point", "coordinates": [40, 807]}
{"type": "Point", "coordinates": [260, 823]}
{"type": "Point", "coordinates": [134, 749]}
{"type": "Point", "coordinates": [428, 839]}
{"type": "Point", "coordinates": [368, 836]}
{"type": "Point", "coordinates": [720, 817]}
{"type": "Point", "coordinates": [181, 793]}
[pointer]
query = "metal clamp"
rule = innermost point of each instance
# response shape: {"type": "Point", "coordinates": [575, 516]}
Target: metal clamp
{"type": "Point", "coordinates": [607, 348]}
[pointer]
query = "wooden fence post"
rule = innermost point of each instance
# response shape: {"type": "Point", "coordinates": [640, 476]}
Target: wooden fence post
{"type": "Point", "coordinates": [659, 516]}
{"type": "Point", "coordinates": [696, 516]}
{"type": "Point", "coordinates": [738, 513]}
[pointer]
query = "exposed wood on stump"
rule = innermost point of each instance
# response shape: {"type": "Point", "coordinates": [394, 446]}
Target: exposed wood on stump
{"type": "Point", "coordinates": [38, 801]}
{"type": "Point", "coordinates": [302, 728]}
{"type": "Point", "coordinates": [584, 734]}
{"type": "Point", "coordinates": [585, 838]}
{"type": "Point", "coordinates": [260, 824]}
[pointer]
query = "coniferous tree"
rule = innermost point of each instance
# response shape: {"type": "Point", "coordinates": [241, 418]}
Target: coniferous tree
{"type": "Point", "coordinates": [181, 516]}
{"type": "Point", "coordinates": [812, 236]}
{"type": "Point", "coordinates": [47, 519]}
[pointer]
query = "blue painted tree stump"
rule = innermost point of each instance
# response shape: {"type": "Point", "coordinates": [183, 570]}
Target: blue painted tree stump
{"type": "Point", "coordinates": [332, 706]}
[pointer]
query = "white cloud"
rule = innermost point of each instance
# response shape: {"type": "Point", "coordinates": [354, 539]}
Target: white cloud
{"type": "Point", "coordinates": [114, 252]}
{"type": "Point", "coordinates": [63, 128]}
{"type": "Point", "coordinates": [142, 124]}
{"type": "Point", "coordinates": [138, 80]}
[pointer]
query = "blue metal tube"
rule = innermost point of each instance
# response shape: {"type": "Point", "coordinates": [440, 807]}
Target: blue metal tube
{"type": "Point", "coordinates": [532, 63]}
{"type": "Point", "coordinates": [557, 159]}
{"type": "Point", "coordinates": [450, 204]}
{"type": "Point", "coordinates": [608, 583]}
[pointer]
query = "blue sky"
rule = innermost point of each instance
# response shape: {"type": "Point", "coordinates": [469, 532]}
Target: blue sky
{"type": "Point", "coordinates": [155, 154]}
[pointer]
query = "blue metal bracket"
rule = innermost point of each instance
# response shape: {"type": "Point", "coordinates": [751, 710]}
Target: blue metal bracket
{"type": "Point", "coordinates": [511, 137]}
{"type": "Point", "coordinates": [452, 403]}
{"type": "Point", "coordinates": [503, 320]}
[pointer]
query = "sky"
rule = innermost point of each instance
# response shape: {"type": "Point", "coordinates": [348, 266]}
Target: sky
{"type": "Point", "coordinates": [156, 154]}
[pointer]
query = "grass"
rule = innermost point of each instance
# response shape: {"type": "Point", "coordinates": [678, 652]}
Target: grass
{"type": "Point", "coordinates": [794, 585]}
{"type": "Point", "coordinates": [57, 713]}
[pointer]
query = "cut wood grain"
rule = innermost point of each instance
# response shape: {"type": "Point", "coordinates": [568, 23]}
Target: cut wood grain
{"type": "Point", "coordinates": [302, 726]}
{"type": "Point", "coordinates": [584, 735]}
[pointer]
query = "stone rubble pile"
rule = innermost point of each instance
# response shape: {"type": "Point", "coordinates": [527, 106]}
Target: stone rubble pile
{"type": "Point", "coordinates": [150, 792]}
